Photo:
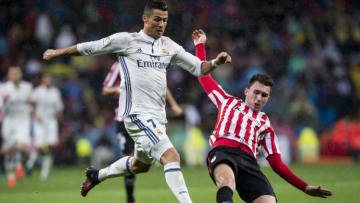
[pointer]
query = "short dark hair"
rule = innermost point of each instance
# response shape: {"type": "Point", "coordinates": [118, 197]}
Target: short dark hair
{"type": "Point", "coordinates": [155, 4]}
{"type": "Point", "coordinates": [262, 78]}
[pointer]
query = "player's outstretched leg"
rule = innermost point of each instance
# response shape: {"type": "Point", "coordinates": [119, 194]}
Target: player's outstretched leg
{"type": "Point", "coordinates": [121, 167]}
{"type": "Point", "coordinates": [91, 180]}
{"type": "Point", "coordinates": [173, 175]}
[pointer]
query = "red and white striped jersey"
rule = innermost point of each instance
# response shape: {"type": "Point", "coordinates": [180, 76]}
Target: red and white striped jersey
{"type": "Point", "coordinates": [113, 79]}
{"type": "Point", "coordinates": [237, 122]}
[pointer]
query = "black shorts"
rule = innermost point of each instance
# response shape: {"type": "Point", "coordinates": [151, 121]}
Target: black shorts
{"type": "Point", "coordinates": [129, 143]}
{"type": "Point", "coordinates": [251, 183]}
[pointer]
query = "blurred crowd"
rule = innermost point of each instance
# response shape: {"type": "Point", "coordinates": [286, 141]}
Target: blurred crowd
{"type": "Point", "coordinates": [310, 48]}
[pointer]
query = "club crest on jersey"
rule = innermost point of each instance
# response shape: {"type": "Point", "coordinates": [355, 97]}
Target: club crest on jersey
{"type": "Point", "coordinates": [106, 41]}
{"type": "Point", "coordinates": [256, 121]}
{"type": "Point", "coordinates": [139, 50]}
{"type": "Point", "coordinates": [159, 131]}
{"type": "Point", "coordinates": [164, 51]}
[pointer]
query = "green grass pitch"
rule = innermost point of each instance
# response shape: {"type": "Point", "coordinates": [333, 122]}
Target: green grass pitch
{"type": "Point", "coordinates": [64, 186]}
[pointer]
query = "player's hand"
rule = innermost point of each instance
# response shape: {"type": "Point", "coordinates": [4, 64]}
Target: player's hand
{"type": "Point", "coordinates": [199, 37]}
{"type": "Point", "coordinates": [177, 110]}
{"type": "Point", "coordinates": [317, 191]}
{"type": "Point", "coordinates": [223, 58]}
{"type": "Point", "coordinates": [49, 54]}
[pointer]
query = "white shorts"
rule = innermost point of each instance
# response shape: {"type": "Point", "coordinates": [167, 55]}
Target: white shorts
{"type": "Point", "coordinates": [15, 131]}
{"type": "Point", "coordinates": [150, 137]}
{"type": "Point", "coordinates": [46, 132]}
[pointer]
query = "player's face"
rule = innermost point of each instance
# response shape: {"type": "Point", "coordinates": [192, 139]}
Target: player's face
{"type": "Point", "coordinates": [257, 95]}
{"type": "Point", "coordinates": [46, 80]}
{"type": "Point", "coordinates": [155, 24]}
{"type": "Point", "coordinates": [14, 74]}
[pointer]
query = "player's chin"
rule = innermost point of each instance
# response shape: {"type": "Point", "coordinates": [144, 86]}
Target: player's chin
{"type": "Point", "coordinates": [159, 34]}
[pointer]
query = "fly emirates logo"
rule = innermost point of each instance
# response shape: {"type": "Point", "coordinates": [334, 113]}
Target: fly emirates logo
{"type": "Point", "coordinates": [154, 62]}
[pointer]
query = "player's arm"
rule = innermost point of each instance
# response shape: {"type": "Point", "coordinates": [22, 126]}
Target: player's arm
{"type": "Point", "coordinates": [214, 91]}
{"type": "Point", "coordinates": [286, 173]}
{"type": "Point", "coordinates": [32, 102]}
{"type": "Point", "coordinates": [59, 105]}
{"type": "Point", "coordinates": [173, 104]}
{"type": "Point", "coordinates": [68, 51]}
{"type": "Point", "coordinates": [272, 153]}
{"type": "Point", "coordinates": [112, 80]}
{"type": "Point", "coordinates": [193, 65]}
{"type": "Point", "coordinates": [208, 66]}
{"type": "Point", "coordinates": [109, 91]}
{"type": "Point", "coordinates": [113, 44]}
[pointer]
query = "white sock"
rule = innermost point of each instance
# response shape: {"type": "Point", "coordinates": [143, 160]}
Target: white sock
{"type": "Point", "coordinates": [31, 160]}
{"type": "Point", "coordinates": [45, 166]}
{"type": "Point", "coordinates": [121, 167]}
{"type": "Point", "coordinates": [175, 180]}
{"type": "Point", "coordinates": [18, 158]}
{"type": "Point", "coordinates": [9, 167]}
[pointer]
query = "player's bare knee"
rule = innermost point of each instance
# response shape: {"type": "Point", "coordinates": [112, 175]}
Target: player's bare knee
{"type": "Point", "coordinates": [169, 156]}
{"type": "Point", "coordinates": [265, 199]}
{"type": "Point", "coordinates": [224, 176]}
{"type": "Point", "coordinates": [139, 167]}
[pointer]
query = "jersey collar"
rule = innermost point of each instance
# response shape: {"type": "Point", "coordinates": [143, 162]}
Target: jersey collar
{"type": "Point", "coordinates": [145, 36]}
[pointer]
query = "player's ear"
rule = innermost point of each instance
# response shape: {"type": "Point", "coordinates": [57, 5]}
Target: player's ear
{"type": "Point", "coordinates": [246, 91]}
{"type": "Point", "coordinates": [145, 18]}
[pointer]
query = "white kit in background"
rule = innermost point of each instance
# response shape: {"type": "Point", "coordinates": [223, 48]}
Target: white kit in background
{"type": "Point", "coordinates": [17, 113]}
{"type": "Point", "coordinates": [48, 103]}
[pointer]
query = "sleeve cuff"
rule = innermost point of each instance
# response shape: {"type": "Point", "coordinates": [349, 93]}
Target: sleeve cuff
{"type": "Point", "coordinates": [80, 48]}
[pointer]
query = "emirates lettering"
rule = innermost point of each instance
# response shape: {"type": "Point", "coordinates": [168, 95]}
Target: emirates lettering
{"type": "Point", "coordinates": [151, 64]}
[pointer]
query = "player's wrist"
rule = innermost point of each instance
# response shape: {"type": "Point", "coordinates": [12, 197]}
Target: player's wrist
{"type": "Point", "coordinates": [198, 43]}
{"type": "Point", "coordinates": [213, 63]}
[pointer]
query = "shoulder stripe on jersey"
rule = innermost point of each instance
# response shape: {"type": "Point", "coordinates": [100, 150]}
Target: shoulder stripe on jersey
{"type": "Point", "coordinates": [127, 86]}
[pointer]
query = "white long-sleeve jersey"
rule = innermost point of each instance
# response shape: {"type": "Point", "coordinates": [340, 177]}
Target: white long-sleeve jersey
{"type": "Point", "coordinates": [16, 106]}
{"type": "Point", "coordinates": [47, 102]}
{"type": "Point", "coordinates": [144, 62]}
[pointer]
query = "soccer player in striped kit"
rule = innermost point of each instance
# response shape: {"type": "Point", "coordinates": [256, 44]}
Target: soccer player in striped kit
{"type": "Point", "coordinates": [145, 57]}
{"type": "Point", "coordinates": [241, 131]}
{"type": "Point", "coordinates": [112, 88]}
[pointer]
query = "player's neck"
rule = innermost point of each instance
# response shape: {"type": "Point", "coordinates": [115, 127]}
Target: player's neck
{"type": "Point", "coordinates": [16, 83]}
{"type": "Point", "coordinates": [148, 35]}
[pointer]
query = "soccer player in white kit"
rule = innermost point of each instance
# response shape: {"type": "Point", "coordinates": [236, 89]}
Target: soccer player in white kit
{"type": "Point", "coordinates": [15, 95]}
{"type": "Point", "coordinates": [144, 57]}
{"type": "Point", "coordinates": [48, 108]}
{"type": "Point", "coordinates": [112, 88]}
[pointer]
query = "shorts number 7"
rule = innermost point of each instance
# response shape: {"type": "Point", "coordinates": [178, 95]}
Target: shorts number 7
{"type": "Point", "coordinates": [152, 122]}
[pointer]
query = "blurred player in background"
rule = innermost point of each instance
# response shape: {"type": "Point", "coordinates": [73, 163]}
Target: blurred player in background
{"type": "Point", "coordinates": [144, 57]}
{"type": "Point", "coordinates": [112, 88]}
{"type": "Point", "coordinates": [48, 109]}
{"type": "Point", "coordinates": [2, 169]}
{"type": "Point", "coordinates": [241, 131]}
{"type": "Point", "coordinates": [16, 124]}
